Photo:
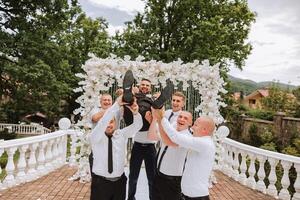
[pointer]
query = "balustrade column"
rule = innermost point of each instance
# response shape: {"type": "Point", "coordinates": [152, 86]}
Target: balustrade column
{"type": "Point", "coordinates": [64, 144]}
{"type": "Point", "coordinates": [10, 168]}
{"type": "Point", "coordinates": [236, 164]}
{"type": "Point", "coordinates": [55, 153]}
{"type": "Point", "coordinates": [271, 190]}
{"type": "Point", "coordinates": [49, 156]}
{"type": "Point", "coordinates": [20, 178]}
{"type": "Point", "coordinates": [41, 159]}
{"type": "Point", "coordinates": [261, 174]}
{"type": "Point", "coordinates": [32, 173]}
{"type": "Point", "coordinates": [285, 181]}
{"type": "Point", "coordinates": [297, 183]}
{"type": "Point", "coordinates": [242, 176]}
{"type": "Point", "coordinates": [225, 165]}
{"type": "Point", "coordinates": [251, 180]}
{"type": "Point", "coordinates": [72, 160]}
{"type": "Point", "coordinates": [60, 157]}
{"type": "Point", "coordinates": [231, 162]}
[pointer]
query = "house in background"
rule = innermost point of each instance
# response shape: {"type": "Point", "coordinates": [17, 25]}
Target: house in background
{"type": "Point", "coordinates": [253, 100]}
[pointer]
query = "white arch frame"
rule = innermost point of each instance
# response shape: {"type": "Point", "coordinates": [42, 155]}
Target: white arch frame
{"type": "Point", "coordinates": [205, 78]}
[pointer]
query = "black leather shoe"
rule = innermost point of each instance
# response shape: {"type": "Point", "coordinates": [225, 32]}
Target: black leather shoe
{"type": "Point", "coordinates": [127, 87]}
{"type": "Point", "coordinates": [166, 94]}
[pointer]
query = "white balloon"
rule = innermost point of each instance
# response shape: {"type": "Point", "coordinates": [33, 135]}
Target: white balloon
{"type": "Point", "coordinates": [223, 131]}
{"type": "Point", "coordinates": [64, 123]}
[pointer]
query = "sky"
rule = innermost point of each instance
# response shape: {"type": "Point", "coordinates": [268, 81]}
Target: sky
{"type": "Point", "coordinates": [275, 35]}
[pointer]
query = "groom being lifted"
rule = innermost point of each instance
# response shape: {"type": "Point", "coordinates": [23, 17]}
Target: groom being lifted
{"type": "Point", "coordinates": [143, 148]}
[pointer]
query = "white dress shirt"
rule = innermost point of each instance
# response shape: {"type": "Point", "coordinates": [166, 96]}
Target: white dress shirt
{"type": "Point", "coordinates": [173, 161]}
{"type": "Point", "coordinates": [199, 164]}
{"type": "Point", "coordinates": [99, 142]}
{"type": "Point", "coordinates": [174, 117]}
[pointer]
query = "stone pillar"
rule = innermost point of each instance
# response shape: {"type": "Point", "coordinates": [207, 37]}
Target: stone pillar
{"type": "Point", "coordinates": [278, 126]}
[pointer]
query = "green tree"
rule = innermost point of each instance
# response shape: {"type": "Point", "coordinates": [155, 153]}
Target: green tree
{"type": "Point", "coordinates": [279, 100]}
{"type": "Point", "coordinates": [190, 29]}
{"type": "Point", "coordinates": [43, 44]}
{"type": "Point", "coordinates": [296, 92]}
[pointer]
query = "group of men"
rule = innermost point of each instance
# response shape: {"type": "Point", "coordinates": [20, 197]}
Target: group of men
{"type": "Point", "coordinates": [181, 167]}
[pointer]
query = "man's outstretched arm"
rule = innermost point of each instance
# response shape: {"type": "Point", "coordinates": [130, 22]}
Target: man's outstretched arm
{"type": "Point", "coordinates": [187, 141]}
{"type": "Point", "coordinates": [98, 132]}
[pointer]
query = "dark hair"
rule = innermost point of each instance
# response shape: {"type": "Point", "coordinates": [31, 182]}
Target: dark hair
{"type": "Point", "coordinates": [145, 79]}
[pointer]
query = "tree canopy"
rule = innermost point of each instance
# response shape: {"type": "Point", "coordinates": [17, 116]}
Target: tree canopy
{"type": "Point", "coordinates": [190, 29]}
{"type": "Point", "coordinates": [43, 44]}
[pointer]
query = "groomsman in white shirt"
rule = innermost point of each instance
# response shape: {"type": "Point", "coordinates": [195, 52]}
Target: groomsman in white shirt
{"type": "Point", "coordinates": [170, 158]}
{"type": "Point", "coordinates": [200, 158]}
{"type": "Point", "coordinates": [108, 146]}
{"type": "Point", "coordinates": [97, 113]}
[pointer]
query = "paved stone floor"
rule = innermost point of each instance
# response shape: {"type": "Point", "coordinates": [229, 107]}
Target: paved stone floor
{"type": "Point", "coordinates": [56, 186]}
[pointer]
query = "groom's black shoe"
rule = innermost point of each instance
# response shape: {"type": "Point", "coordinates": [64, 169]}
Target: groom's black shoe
{"type": "Point", "coordinates": [127, 87]}
{"type": "Point", "coordinates": [166, 94]}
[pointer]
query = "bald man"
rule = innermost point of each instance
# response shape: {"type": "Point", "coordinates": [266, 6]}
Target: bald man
{"type": "Point", "coordinates": [170, 159]}
{"type": "Point", "coordinates": [200, 158]}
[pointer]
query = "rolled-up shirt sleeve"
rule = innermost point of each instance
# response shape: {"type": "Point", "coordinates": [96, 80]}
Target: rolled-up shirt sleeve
{"type": "Point", "coordinates": [98, 132]}
{"type": "Point", "coordinates": [187, 141]}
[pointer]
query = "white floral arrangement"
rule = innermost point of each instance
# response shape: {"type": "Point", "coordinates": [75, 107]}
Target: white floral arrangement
{"type": "Point", "coordinates": [101, 73]}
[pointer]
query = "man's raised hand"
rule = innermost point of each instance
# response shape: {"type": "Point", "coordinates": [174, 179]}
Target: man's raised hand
{"type": "Point", "coordinates": [158, 113]}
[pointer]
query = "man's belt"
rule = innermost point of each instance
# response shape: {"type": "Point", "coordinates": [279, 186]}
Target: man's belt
{"type": "Point", "coordinates": [113, 179]}
{"type": "Point", "coordinates": [177, 178]}
{"type": "Point", "coordinates": [144, 144]}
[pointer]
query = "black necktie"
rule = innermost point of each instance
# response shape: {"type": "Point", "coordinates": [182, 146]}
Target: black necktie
{"type": "Point", "coordinates": [169, 119]}
{"type": "Point", "coordinates": [110, 156]}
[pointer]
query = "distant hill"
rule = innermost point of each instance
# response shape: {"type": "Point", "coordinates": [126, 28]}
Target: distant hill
{"type": "Point", "coordinates": [248, 86]}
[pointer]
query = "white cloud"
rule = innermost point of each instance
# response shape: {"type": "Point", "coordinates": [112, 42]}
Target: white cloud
{"type": "Point", "coordinates": [125, 5]}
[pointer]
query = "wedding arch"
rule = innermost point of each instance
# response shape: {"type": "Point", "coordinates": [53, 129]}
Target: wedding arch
{"type": "Point", "coordinates": [100, 74]}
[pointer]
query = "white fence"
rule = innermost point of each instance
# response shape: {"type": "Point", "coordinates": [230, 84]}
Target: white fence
{"type": "Point", "coordinates": [32, 157]}
{"type": "Point", "coordinates": [240, 161]}
{"type": "Point", "coordinates": [25, 129]}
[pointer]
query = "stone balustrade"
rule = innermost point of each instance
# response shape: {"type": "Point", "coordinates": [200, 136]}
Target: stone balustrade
{"type": "Point", "coordinates": [25, 129]}
{"type": "Point", "coordinates": [32, 157]}
{"type": "Point", "coordinates": [247, 164]}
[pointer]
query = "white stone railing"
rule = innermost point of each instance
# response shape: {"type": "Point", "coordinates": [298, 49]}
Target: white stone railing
{"type": "Point", "coordinates": [240, 161]}
{"type": "Point", "coordinates": [32, 157]}
{"type": "Point", "coordinates": [25, 129]}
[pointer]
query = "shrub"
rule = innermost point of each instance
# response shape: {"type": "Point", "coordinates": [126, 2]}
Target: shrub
{"type": "Point", "coordinates": [260, 114]}
{"type": "Point", "coordinates": [253, 134]}
{"type": "Point", "coordinates": [271, 146]}
{"type": "Point", "coordinates": [266, 136]}
{"type": "Point", "coordinates": [6, 135]}
{"type": "Point", "coordinates": [291, 151]}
